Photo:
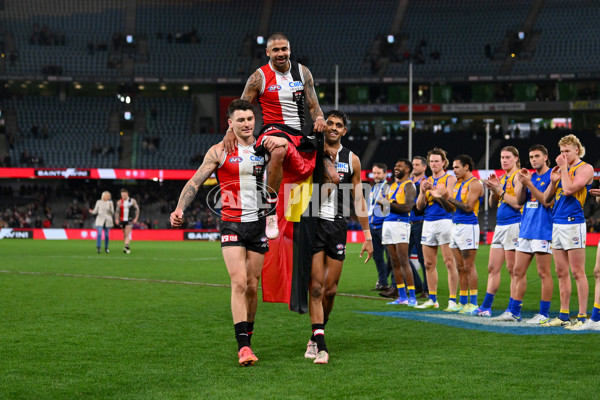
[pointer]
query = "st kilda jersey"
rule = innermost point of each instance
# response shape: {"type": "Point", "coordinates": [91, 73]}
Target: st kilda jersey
{"type": "Point", "coordinates": [282, 96]}
{"type": "Point", "coordinates": [333, 207]}
{"type": "Point", "coordinates": [240, 177]}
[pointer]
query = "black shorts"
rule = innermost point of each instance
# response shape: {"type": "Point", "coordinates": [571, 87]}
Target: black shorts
{"type": "Point", "coordinates": [250, 235]}
{"type": "Point", "coordinates": [331, 237]}
{"type": "Point", "coordinates": [123, 224]}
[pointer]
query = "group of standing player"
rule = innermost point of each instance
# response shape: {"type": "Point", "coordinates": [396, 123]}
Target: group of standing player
{"type": "Point", "coordinates": [540, 215]}
{"type": "Point", "coordinates": [450, 204]}
{"type": "Point", "coordinates": [290, 154]}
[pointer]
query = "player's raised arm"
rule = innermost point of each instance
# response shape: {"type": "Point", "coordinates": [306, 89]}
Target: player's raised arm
{"type": "Point", "coordinates": [207, 168]}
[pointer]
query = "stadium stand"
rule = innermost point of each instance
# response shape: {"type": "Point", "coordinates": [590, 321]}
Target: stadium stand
{"type": "Point", "coordinates": [77, 132]}
{"type": "Point", "coordinates": [203, 43]}
{"type": "Point", "coordinates": [562, 48]}
{"type": "Point", "coordinates": [168, 141]}
{"type": "Point", "coordinates": [52, 40]}
{"type": "Point", "coordinates": [321, 44]}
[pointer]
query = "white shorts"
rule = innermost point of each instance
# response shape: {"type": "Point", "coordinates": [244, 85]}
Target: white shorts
{"type": "Point", "coordinates": [436, 233]}
{"type": "Point", "coordinates": [465, 237]}
{"type": "Point", "coordinates": [568, 236]}
{"type": "Point", "coordinates": [534, 246]}
{"type": "Point", "coordinates": [394, 232]}
{"type": "Point", "coordinates": [506, 236]}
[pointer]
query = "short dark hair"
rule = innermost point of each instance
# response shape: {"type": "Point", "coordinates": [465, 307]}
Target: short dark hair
{"type": "Point", "coordinates": [337, 113]}
{"type": "Point", "coordinates": [238, 104]}
{"type": "Point", "coordinates": [123, 190]}
{"type": "Point", "coordinates": [541, 148]}
{"type": "Point", "coordinates": [277, 36]}
{"type": "Point", "coordinates": [421, 158]}
{"type": "Point", "coordinates": [407, 162]}
{"type": "Point", "coordinates": [466, 160]}
{"type": "Point", "coordinates": [380, 166]}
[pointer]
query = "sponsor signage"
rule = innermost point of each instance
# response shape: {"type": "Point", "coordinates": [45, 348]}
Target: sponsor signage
{"type": "Point", "coordinates": [66, 173]}
{"type": "Point", "coordinates": [210, 236]}
{"type": "Point", "coordinates": [7, 233]}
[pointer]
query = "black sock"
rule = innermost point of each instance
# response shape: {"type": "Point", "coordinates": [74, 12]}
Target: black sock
{"type": "Point", "coordinates": [241, 334]}
{"type": "Point", "coordinates": [250, 330]}
{"type": "Point", "coordinates": [319, 336]}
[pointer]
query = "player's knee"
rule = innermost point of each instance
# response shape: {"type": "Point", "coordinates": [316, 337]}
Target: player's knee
{"type": "Point", "coordinates": [331, 292]}
{"type": "Point", "coordinates": [277, 156]}
{"type": "Point", "coordinates": [239, 286]}
{"type": "Point", "coordinates": [316, 291]}
{"type": "Point", "coordinates": [597, 273]}
{"type": "Point", "coordinates": [578, 274]}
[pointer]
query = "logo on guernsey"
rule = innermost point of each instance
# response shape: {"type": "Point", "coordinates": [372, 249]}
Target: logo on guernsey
{"type": "Point", "coordinates": [235, 160]}
{"type": "Point", "coordinates": [544, 243]}
{"type": "Point", "coordinates": [257, 158]}
{"type": "Point", "coordinates": [274, 88]}
{"type": "Point", "coordinates": [576, 240]}
{"type": "Point", "coordinates": [296, 84]}
{"type": "Point", "coordinates": [342, 167]}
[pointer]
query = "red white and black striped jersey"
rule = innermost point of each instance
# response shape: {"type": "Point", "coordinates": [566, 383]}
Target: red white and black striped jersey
{"type": "Point", "coordinates": [282, 95]}
{"type": "Point", "coordinates": [240, 178]}
{"type": "Point", "coordinates": [124, 207]}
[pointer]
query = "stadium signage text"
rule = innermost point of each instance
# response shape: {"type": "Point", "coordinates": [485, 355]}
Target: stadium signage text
{"type": "Point", "coordinates": [65, 173]}
{"type": "Point", "coordinates": [11, 234]}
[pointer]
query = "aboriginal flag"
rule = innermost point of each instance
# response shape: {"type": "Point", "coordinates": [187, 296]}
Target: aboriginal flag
{"type": "Point", "coordinates": [287, 265]}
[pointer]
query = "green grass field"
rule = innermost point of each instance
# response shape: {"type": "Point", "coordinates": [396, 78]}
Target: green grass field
{"type": "Point", "coordinates": [69, 329]}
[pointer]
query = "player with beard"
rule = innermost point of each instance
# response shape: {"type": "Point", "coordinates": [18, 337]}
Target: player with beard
{"type": "Point", "coordinates": [396, 230]}
{"type": "Point", "coordinates": [330, 244]}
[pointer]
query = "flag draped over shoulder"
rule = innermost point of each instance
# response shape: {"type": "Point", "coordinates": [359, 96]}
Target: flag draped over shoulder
{"type": "Point", "coordinates": [287, 265]}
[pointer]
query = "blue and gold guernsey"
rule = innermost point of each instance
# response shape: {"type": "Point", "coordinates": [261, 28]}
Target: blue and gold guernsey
{"type": "Point", "coordinates": [507, 215]}
{"type": "Point", "coordinates": [461, 191]}
{"type": "Point", "coordinates": [536, 223]}
{"type": "Point", "coordinates": [569, 209]}
{"type": "Point", "coordinates": [434, 211]}
{"type": "Point", "coordinates": [396, 194]}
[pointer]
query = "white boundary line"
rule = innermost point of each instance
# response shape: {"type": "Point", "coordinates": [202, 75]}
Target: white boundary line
{"type": "Point", "coordinates": [123, 278]}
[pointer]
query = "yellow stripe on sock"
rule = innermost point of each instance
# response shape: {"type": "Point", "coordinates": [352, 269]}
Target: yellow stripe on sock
{"type": "Point", "coordinates": [410, 287]}
{"type": "Point", "coordinates": [401, 286]}
{"type": "Point", "coordinates": [564, 311]}
{"type": "Point", "coordinates": [581, 315]}
{"type": "Point", "coordinates": [473, 292]}
{"type": "Point", "coordinates": [596, 305]}
{"type": "Point", "coordinates": [434, 293]}
{"type": "Point", "coordinates": [464, 292]}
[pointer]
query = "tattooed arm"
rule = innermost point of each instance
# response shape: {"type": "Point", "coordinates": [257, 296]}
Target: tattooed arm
{"type": "Point", "coordinates": [253, 87]}
{"type": "Point", "coordinates": [137, 210]}
{"type": "Point", "coordinates": [209, 165]}
{"type": "Point", "coordinates": [251, 93]}
{"type": "Point", "coordinates": [316, 114]}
